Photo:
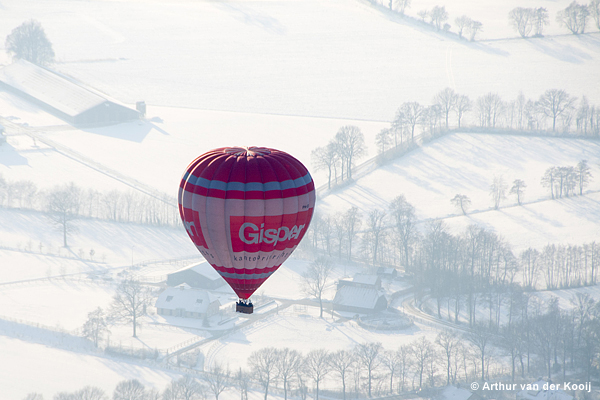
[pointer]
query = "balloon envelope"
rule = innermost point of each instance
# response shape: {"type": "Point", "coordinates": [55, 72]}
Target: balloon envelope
{"type": "Point", "coordinates": [246, 210]}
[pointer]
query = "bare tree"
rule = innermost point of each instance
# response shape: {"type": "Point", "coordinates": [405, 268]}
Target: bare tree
{"type": "Point", "coordinates": [446, 99]}
{"type": "Point", "coordinates": [549, 179]}
{"type": "Point", "coordinates": [554, 103]}
{"type": "Point", "coordinates": [421, 351]}
{"type": "Point", "coordinates": [474, 29]}
{"type": "Point", "coordinates": [325, 158]}
{"type": "Point", "coordinates": [411, 115]}
{"type": "Point", "coordinates": [540, 20]}
{"type": "Point", "coordinates": [185, 388]}
{"type": "Point", "coordinates": [583, 175]}
{"type": "Point", "coordinates": [351, 142]}
{"type": "Point", "coordinates": [461, 201]}
{"type": "Point", "coordinates": [287, 362]}
{"type": "Point", "coordinates": [315, 279]}
{"type": "Point", "coordinates": [490, 107]}
{"type": "Point", "coordinates": [242, 381]}
{"type": "Point", "coordinates": [403, 214]}
{"type": "Point", "coordinates": [383, 139]}
{"type": "Point", "coordinates": [341, 362]}
{"type": "Point", "coordinates": [463, 105]}
{"type": "Point", "coordinates": [574, 17]}
{"type": "Point", "coordinates": [517, 189]}
{"type": "Point", "coordinates": [498, 191]}
{"type": "Point", "coordinates": [63, 206]}
{"type": "Point", "coordinates": [376, 230]}
{"type": "Point", "coordinates": [263, 363]}
{"type": "Point", "coordinates": [403, 5]}
{"type": "Point", "coordinates": [29, 42]}
{"type": "Point", "coordinates": [522, 20]}
{"type": "Point", "coordinates": [217, 380]}
{"type": "Point", "coordinates": [368, 355]}
{"type": "Point", "coordinates": [423, 14]}
{"type": "Point", "coordinates": [594, 9]}
{"type": "Point", "coordinates": [448, 341]}
{"type": "Point", "coordinates": [317, 367]}
{"type": "Point", "coordinates": [96, 326]}
{"type": "Point", "coordinates": [462, 23]}
{"type": "Point", "coordinates": [351, 222]}
{"type": "Point", "coordinates": [438, 16]}
{"type": "Point", "coordinates": [393, 364]}
{"type": "Point", "coordinates": [129, 390]}
{"type": "Point", "coordinates": [480, 337]}
{"type": "Point", "coordinates": [129, 303]}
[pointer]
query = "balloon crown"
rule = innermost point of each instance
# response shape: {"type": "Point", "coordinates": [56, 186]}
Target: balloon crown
{"type": "Point", "coordinates": [252, 151]}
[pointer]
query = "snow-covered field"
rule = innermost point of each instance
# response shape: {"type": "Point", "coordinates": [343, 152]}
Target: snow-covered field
{"type": "Point", "coordinates": [467, 164]}
{"type": "Point", "coordinates": [293, 58]}
{"type": "Point", "coordinates": [285, 74]}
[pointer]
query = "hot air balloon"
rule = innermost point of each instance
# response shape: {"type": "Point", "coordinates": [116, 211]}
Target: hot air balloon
{"type": "Point", "coordinates": [246, 209]}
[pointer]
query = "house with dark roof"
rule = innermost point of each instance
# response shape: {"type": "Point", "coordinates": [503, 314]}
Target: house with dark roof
{"type": "Point", "coordinates": [62, 96]}
{"type": "Point", "coordinates": [187, 302]}
{"type": "Point", "coordinates": [200, 275]}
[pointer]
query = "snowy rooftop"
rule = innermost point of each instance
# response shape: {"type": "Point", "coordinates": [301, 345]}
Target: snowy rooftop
{"type": "Point", "coordinates": [453, 393]}
{"type": "Point", "coordinates": [365, 279]}
{"type": "Point", "coordinates": [49, 87]}
{"type": "Point", "coordinates": [357, 297]}
{"type": "Point", "coordinates": [202, 268]}
{"type": "Point", "coordinates": [184, 297]}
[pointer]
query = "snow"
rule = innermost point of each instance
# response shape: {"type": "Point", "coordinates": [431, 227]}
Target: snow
{"type": "Point", "coordinates": [287, 74]}
{"type": "Point", "coordinates": [466, 163]}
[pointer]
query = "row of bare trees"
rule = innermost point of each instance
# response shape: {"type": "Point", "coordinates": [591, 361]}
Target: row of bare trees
{"type": "Point", "coordinates": [66, 203]}
{"type": "Point", "coordinates": [575, 18]}
{"type": "Point", "coordinates": [567, 181]}
{"type": "Point", "coordinates": [341, 153]}
{"type": "Point", "coordinates": [184, 388]}
{"type": "Point", "coordinates": [477, 258]}
{"type": "Point", "coordinates": [537, 337]}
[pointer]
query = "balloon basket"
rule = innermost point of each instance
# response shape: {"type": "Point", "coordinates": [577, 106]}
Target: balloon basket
{"type": "Point", "coordinates": [244, 308]}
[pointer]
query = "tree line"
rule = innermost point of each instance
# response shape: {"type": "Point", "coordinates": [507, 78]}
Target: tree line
{"type": "Point", "coordinates": [536, 338]}
{"type": "Point", "coordinates": [555, 108]}
{"type": "Point", "coordinates": [66, 203]}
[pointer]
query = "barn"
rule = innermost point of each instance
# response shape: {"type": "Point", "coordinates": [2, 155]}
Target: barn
{"type": "Point", "coordinates": [361, 300]}
{"type": "Point", "coordinates": [63, 97]}
{"type": "Point", "coordinates": [201, 275]}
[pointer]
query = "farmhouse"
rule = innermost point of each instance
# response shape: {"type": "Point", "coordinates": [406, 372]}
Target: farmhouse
{"type": "Point", "coordinates": [184, 301]}
{"type": "Point", "coordinates": [62, 96]}
{"type": "Point", "coordinates": [362, 300]}
{"type": "Point", "coordinates": [201, 275]}
{"type": "Point", "coordinates": [362, 281]}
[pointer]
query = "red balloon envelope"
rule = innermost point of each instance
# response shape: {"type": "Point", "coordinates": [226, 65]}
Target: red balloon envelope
{"type": "Point", "coordinates": [246, 209]}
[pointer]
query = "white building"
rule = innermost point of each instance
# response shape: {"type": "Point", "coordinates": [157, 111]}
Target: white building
{"type": "Point", "coordinates": [187, 302]}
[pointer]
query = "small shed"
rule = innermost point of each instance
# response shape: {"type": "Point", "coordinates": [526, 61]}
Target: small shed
{"type": "Point", "coordinates": [62, 96]}
{"type": "Point", "coordinates": [362, 300]}
{"type": "Point", "coordinates": [187, 302]}
{"type": "Point", "coordinates": [387, 272]}
{"type": "Point", "coordinates": [200, 275]}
